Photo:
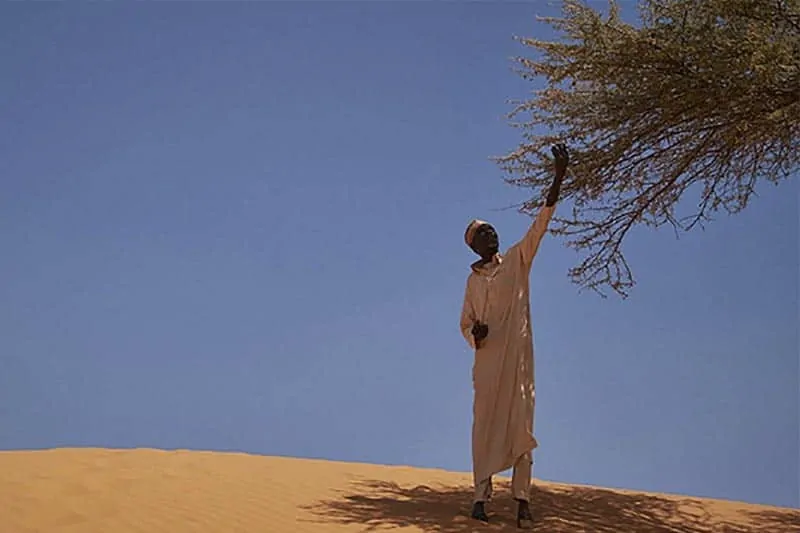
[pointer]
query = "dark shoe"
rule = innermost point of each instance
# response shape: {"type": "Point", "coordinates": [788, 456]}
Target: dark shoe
{"type": "Point", "coordinates": [479, 513]}
{"type": "Point", "coordinates": [524, 517]}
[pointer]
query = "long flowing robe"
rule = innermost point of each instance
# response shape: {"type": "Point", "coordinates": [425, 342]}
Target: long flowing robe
{"type": "Point", "coordinates": [497, 294]}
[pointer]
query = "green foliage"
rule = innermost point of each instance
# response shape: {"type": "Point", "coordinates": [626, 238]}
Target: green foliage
{"type": "Point", "coordinates": [702, 97]}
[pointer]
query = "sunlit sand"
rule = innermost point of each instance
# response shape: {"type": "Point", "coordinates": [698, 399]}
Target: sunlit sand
{"type": "Point", "coordinates": [153, 491]}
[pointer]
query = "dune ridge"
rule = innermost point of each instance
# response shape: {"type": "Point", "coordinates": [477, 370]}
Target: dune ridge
{"type": "Point", "coordinates": [92, 490]}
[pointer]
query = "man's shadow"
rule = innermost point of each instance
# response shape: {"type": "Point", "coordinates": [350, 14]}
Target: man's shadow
{"type": "Point", "coordinates": [377, 505]}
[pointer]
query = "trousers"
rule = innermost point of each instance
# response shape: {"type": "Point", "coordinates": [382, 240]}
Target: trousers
{"type": "Point", "coordinates": [520, 481]}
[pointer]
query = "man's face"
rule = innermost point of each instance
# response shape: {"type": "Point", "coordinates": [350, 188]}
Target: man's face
{"type": "Point", "coordinates": [485, 241]}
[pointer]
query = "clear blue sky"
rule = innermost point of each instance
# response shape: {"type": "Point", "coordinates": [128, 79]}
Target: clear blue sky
{"type": "Point", "coordinates": [239, 227]}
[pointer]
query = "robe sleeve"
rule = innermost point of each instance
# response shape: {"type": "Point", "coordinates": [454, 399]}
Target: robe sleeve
{"type": "Point", "coordinates": [468, 315]}
{"type": "Point", "coordinates": [529, 244]}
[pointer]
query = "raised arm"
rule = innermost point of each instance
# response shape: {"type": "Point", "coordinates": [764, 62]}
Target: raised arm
{"type": "Point", "coordinates": [529, 244]}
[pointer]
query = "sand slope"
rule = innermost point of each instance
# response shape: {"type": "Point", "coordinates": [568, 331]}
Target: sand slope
{"type": "Point", "coordinates": [153, 491]}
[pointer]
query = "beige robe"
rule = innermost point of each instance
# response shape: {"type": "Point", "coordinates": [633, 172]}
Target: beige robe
{"type": "Point", "coordinates": [497, 294]}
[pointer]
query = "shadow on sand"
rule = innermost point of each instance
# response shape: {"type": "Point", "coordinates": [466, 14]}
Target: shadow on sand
{"type": "Point", "coordinates": [377, 505]}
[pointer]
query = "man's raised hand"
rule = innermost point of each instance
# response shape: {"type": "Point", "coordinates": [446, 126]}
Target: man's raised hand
{"type": "Point", "coordinates": [561, 155]}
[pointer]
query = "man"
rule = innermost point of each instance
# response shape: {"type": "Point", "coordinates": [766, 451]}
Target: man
{"type": "Point", "coordinates": [495, 321]}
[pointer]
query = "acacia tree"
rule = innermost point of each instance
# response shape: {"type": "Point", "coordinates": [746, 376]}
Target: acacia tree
{"type": "Point", "coordinates": [700, 101]}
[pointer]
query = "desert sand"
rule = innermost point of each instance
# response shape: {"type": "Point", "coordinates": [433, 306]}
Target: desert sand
{"type": "Point", "coordinates": [152, 491]}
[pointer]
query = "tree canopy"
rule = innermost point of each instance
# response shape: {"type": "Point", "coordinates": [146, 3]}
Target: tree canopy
{"type": "Point", "coordinates": [700, 101]}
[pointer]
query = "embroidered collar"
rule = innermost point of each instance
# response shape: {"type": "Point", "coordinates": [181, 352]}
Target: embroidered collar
{"type": "Point", "coordinates": [481, 266]}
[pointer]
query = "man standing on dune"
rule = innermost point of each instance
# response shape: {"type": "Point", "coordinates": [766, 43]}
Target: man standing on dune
{"type": "Point", "coordinates": [495, 321]}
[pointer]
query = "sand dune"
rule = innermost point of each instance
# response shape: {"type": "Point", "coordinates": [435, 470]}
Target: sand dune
{"type": "Point", "coordinates": [153, 491]}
